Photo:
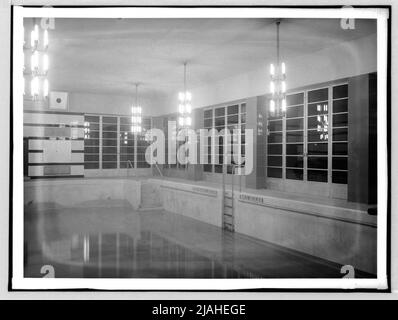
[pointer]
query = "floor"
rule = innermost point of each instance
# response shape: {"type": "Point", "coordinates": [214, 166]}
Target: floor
{"type": "Point", "coordinates": [108, 239]}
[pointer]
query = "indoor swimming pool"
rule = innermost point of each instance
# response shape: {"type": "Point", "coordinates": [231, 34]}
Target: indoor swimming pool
{"type": "Point", "coordinates": [109, 239]}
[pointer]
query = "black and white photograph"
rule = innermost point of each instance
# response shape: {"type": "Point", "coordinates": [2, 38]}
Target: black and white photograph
{"type": "Point", "coordinates": [199, 148]}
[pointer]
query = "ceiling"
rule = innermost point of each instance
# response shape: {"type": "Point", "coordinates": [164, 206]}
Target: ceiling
{"type": "Point", "coordinates": [110, 55]}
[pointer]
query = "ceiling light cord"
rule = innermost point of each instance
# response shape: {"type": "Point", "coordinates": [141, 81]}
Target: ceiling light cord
{"type": "Point", "coordinates": [185, 77]}
{"type": "Point", "coordinates": [136, 94]}
{"type": "Point", "coordinates": [277, 43]}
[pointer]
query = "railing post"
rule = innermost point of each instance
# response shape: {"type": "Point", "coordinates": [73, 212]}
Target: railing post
{"type": "Point", "coordinates": [223, 197]}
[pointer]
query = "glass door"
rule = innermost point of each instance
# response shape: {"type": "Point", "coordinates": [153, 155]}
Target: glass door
{"type": "Point", "coordinates": [307, 151]}
{"type": "Point", "coordinates": [317, 140]}
{"type": "Point", "coordinates": [294, 140]}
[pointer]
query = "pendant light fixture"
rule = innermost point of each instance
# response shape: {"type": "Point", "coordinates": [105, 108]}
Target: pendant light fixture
{"type": "Point", "coordinates": [39, 63]}
{"type": "Point", "coordinates": [277, 105]}
{"type": "Point", "coordinates": [185, 107]}
{"type": "Point", "coordinates": [136, 114]}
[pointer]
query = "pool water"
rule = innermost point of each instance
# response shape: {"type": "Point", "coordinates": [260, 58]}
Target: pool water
{"type": "Point", "coordinates": [108, 239]}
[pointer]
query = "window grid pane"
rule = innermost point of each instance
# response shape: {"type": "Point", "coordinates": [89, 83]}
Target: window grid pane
{"type": "Point", "coordinates": [231, 118]}
{"type": "Point", "coordinates": [91, 142]}
{"type": "Point", "coordinates": [294, 136]}
{"type": "Point", "coordinates": [317, 146]}
{"type": "Point", "coordinates": [340, 134]}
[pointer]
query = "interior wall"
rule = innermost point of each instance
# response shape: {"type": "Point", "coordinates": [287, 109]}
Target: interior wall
{"type": "Point", "coordinates": [344, 60]}
{"type": "Point", "coordinates": [99, 103]}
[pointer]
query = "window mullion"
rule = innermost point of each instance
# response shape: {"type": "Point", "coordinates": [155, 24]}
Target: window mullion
{"type": "Point", "coordinates": [305, 137]}
{"type": "Point", "coordinates": [284, 148]}
{"type": "Point", "coordinates": [100, 142]}
{"type": "Point", "coordinates": [118, 143]}
{"type": "Point", "coordinates": [135, 150]}
{"type": "Point", "coordinates": [330, 139]}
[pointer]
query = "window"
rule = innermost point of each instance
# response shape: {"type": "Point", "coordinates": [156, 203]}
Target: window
{"type": "Point", "coordinates": [232, 117]}
{"type": "Point", "coordinates": [317, 149]}
{"type": "Point", "coordinates": [274, 147]}
{"type": "Point", "coordinates": [109, 143]}
{"type": "Point", "coordinates": [173, 136]}
{"type": "Point", "coordinates": [91, 142]}
{"type": "Point", "coordinates": [340, 134]}
{"type": "Point", "coordinates": [208, 124]}
{"type": "Point", "coordinates": [142, 144]}
{"type": "Point", "coordinates": [127, 144]}
{"type": "Point", "coordinates": [295, 149]}
{"type": "Point", "coordinates": [295, 136]}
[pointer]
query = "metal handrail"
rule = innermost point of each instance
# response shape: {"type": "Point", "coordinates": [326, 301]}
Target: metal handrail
{"type": "Point", "coordinates": [130, 164]}
{"type": "Point", "coordinates": [160, 171]}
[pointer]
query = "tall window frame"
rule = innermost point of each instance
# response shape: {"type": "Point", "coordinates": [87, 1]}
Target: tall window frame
{"type": "Point", "coordinates": [314, 161]}
{"type": "Point", "coordinates": [109, 143]}
{"type": "Point", "coordinates": [228, 116]}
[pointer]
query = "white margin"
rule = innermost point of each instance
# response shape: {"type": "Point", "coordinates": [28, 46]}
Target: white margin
{"type": "Point", "coordinates": [18, 280]}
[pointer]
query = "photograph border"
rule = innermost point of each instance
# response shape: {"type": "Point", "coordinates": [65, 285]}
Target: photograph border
{"type": "Point", "coordinates": [380, 284]}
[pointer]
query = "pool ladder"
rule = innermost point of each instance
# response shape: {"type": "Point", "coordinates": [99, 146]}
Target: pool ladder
{"type": "Point", "coordinates": [228, 216]}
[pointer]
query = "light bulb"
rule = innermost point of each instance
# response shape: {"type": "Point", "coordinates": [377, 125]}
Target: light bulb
{"type": "Point", "coordinates": [37, 32]}
{"type": "Point", "coordinates": [139, 110]}
{"type": "Point", "coordinates": [181, 108]}
{"type": "Point", "coordinates": [34, 61]}
{"type": "Point", "coordinates": [188, 108]}
{"type": "Point", "coordinates": [283, 86]}
{"type": "Point", "coordinates": [318, 118]}
{"type": "Point", "coordinates": [272, 106]}
{"type": "Point", "coordinates": [181, 96]}
{"type": "Point", "coordinates": [32, 39]}
{"type": "Point", "coordinates": [272, 69]}
{"type": "Point", "coordinates": [34, 87]}
{"type": "Point", "coordinates": [188, 96]}
{"type": "Point", "coordinates": [318, 107]}
{"type": "Point", "coordinates": [45, 39]}
{"type": "Point", "coordinates": [283, 68]}
{"type": "Point", "coordinates": [181, 121]}
{"type": "Point", "coordinates": [272, 87]}
{"type": "Point", "coordinates": [188, 121]}
{"type": "Point", "coordinates": [283, 105]}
